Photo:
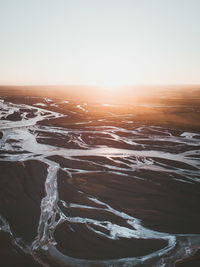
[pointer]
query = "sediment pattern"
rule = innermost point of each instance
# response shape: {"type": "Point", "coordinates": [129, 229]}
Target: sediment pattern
{"type": "Point", "coordinates": [79, 189]}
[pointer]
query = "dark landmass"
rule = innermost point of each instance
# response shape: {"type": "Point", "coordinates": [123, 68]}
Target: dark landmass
{"type": "Point", "coordinates": [167, 106]}
{"type": "Point", "coordinates": [21, 191]}
{"type": "Point", "coordinates": [10, 256]}
{"type": "Point", "coordinates": [84, 244]}
{"type": "Point", "coordinates": [157, 183]}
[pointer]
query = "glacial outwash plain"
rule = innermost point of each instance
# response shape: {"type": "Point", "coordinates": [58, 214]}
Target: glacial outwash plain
{"type": "Point", "coordinates": [93, 177]}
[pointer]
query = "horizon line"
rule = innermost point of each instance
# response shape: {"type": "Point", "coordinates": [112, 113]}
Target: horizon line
{"type": "Point", "coordinates": [95, 85]}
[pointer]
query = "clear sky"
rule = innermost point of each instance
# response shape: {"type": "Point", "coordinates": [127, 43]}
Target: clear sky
{"type": "Point", "coordinates": [101, 42]}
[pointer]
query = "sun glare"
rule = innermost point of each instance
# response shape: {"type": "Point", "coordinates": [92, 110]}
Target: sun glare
{"type": "Point", "coordinates": [111, 67]}
{"type": "Point", "coordinates": [111, 89]}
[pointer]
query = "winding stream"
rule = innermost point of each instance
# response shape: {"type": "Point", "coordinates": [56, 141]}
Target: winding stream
{"type": "Point", "coordinates": [157, 150]}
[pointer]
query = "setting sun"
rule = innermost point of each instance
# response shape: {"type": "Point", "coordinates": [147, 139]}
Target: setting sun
{"type": "Point", "coordinates": [99, 133]}
{"type": "Point", "coordinates": [103, 43]}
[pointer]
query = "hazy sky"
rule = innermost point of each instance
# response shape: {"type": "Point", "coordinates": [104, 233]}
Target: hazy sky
{"type": "Point", "coordinates": [104, 42]}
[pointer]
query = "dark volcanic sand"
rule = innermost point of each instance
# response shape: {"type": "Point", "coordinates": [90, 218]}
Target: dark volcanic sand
{"type": "Point", "coordinates": [164, 205]}
{"type": "Point", "coordinates": [22, 188]}
{"type": "Point", "coordinates": [11, 256]}
{"type": "Point", "coordinates": [85, 244]}
{"type": "Point", "coordinates": [103, 172]}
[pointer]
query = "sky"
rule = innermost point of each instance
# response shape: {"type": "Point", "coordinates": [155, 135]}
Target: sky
{"type": "Point", "coordinates": [99, 42]}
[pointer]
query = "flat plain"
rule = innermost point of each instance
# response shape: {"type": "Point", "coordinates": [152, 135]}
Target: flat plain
{"type": "Point", "coordinates": [107, 180]}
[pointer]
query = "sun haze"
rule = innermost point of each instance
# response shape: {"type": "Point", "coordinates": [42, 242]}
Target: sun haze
{"type": "Point", "coordinates": [99, 42]}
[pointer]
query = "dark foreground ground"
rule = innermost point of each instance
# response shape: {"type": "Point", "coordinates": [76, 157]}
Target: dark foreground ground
{"type": "Point", "coordinates": [104, 184]}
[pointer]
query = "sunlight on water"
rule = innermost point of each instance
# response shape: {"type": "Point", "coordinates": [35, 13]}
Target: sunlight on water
{"type": "Point", "coordinates": [93, 152]}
